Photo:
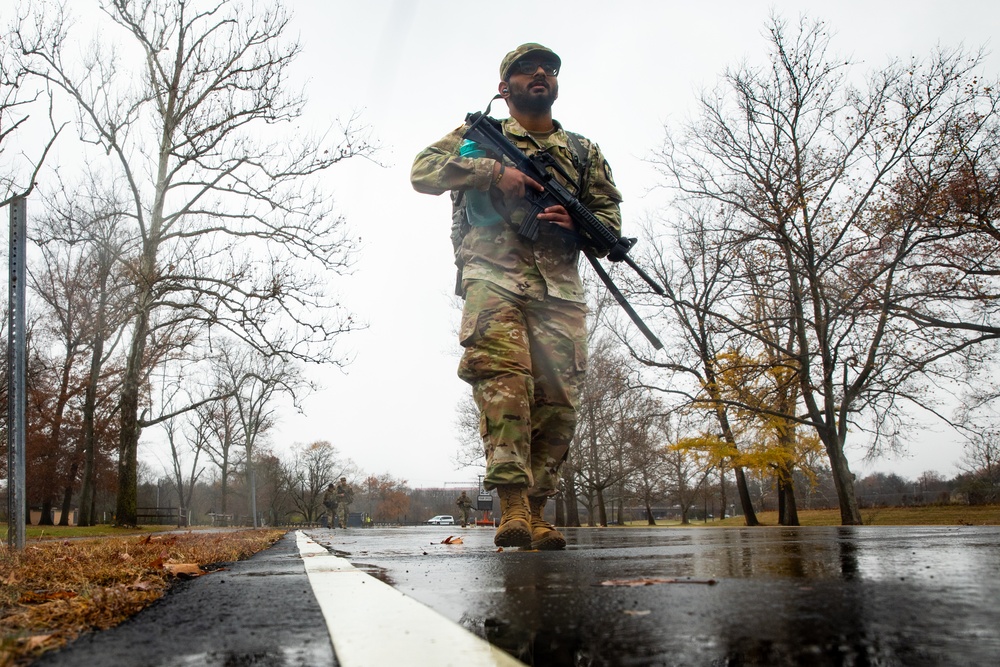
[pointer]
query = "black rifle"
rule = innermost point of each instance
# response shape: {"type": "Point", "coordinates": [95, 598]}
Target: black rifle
{"type": "Point", "coordinates": [593, 234]}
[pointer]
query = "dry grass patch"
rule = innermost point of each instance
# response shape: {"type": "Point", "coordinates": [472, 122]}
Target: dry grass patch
{"type": "Point", "coordinates": [923, 515]}
{"type": "Point", "coordinates": [55, 590]}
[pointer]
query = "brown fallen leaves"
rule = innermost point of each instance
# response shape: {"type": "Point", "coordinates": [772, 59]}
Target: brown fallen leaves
{"type": "Point", "coordinates": [53, 591]}
{"type": "Point", "coordinates": [654, 581]}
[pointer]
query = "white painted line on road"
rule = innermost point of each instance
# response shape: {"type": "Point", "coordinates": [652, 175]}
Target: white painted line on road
{"type": "Point", "coordinates": [371, 623]}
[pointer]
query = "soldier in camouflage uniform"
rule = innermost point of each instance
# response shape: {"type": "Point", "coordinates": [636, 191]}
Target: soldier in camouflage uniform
{"type": "Point", "coordinates": [330, 503]}
{"type": "Point", "coordinates": [464, 503]}
{"type": "Point", "coordinates": [524, 320]}
{"type": "Point", "coordinates": [344, 494]}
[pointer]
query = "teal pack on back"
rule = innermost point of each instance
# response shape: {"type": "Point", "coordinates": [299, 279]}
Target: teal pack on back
{"type": "Point", "coordinates": [478, 207]}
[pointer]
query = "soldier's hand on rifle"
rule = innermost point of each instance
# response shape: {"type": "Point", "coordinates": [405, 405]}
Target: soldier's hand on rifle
{"type": "Point", "coordinates": [513, 183]}
{"type": "Point", "coordinates": [557, 215]}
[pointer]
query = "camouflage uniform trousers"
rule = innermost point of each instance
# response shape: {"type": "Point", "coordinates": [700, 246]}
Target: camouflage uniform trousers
{"type": "Point", "coordinates": [525, 360]}
{"type": "Point", "coordinates": [341, 513]}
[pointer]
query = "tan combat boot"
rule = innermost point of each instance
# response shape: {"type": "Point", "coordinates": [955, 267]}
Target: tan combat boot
{"type": "Point", "coordinates": [544, 536]}
{"type": "Point", "coordinates": [515, 528]}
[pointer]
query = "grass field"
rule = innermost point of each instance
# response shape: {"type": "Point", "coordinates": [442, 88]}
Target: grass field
{"type": "Point", "coordinates": [928, 515]}
{"type": "Point", "coordinates": [59, 532]}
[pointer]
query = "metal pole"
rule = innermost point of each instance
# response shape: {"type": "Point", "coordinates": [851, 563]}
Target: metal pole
{"type": "Point", "coordinates": [16, 376]}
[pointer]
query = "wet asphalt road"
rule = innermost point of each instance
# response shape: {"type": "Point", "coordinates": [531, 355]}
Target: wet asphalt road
{"type": "Point", "coordinates": [765, 596]}
{"type": "Point", "coordinates": [260, 611]}
{"type": "Point", "coordinates": [699, 596]}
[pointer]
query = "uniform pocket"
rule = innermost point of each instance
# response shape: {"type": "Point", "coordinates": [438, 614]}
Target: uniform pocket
{"type": "Point", "coordinates": [470, 331]}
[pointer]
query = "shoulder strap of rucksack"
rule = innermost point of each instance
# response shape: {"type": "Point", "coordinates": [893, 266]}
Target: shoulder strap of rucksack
{"type": "Point", "coordinates": [582, 155]}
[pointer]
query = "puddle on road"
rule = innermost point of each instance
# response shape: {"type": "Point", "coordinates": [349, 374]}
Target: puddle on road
{"type": "Point", "coordinates": [375, 571]}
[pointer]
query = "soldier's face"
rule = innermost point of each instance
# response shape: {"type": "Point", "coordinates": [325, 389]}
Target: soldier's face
{"type": "Point", "coordinates": [533, 92]}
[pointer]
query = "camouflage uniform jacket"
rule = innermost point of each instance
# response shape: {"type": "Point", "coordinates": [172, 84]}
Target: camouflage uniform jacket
{"type": "Point", "coordinates": [345, 494]}
{"type": "Point", "coordinates": [547, 267]}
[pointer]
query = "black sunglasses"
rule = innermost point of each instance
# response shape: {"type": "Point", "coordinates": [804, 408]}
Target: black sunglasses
{"type": "Point", "coordinates": [531, 66]}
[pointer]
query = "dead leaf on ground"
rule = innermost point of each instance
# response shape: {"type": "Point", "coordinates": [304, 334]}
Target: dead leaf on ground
{"type": "Point", "coordinates": [637, 612]}
{"type": "Point", "coordinates": [653, 581]}
{"type": "Point", "coordinates": [140, 585]}
{"type": "Point", "coordinates": [451, 539]}
{"type": "Point", "coordinates": [183, 569]}
{"type": "Point", "coordinates": [35, 597]}
{"type": "Point", "coordinates": [35, 641]}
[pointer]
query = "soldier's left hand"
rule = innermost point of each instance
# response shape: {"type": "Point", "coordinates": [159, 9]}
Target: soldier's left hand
{"type": "Point", "coordinates": [557, 215]}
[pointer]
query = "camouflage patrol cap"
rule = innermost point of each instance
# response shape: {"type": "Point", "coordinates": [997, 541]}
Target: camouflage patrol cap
{"type": "Point", "coordinates": [520, 52]}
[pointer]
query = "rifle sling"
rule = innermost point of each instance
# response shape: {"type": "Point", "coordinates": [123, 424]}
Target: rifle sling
{"type": "Point", "coordinates": [620, 298]}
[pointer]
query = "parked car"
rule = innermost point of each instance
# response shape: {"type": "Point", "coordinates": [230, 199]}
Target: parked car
{"type": "Point", "coordinates": [441, 520]}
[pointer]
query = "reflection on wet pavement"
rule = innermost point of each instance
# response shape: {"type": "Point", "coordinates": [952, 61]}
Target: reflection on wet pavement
{"type": "Point", "coordinates": [782, 596]}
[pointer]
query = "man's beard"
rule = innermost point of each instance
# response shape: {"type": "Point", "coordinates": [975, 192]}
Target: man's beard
{"type": "Point", "coordinates": [527, 102]}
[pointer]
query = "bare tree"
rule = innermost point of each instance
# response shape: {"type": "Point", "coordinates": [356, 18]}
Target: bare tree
{"type": "Point", "coordinates": [274, 478]}
{"type": "Point", "coordinates": [385, 498]}
{"type": "Point", "coordinates": [697, 284]}
{"type": "Point", "coordinates": [255, 382]}
{"type": "Point", "coordinates": [222, 439]}
{"type": "Point", "coordinates": [184, 484]}
{"type": "Point", "coordinates": [19, 100]}
{"type": "Point", "coordinates": [647, 484]}
{"type": "Point", "coordinates": [607, 432]}
{"type": "Point", "coordinates": [82, 286]}
{"type": "Point", "coordinates": [687, 472]}
{"type": "Point", "coordinates": [470, 453]}
{"type": "Point", "coordinates": [316, 465]}
{"type": "Point", "coordinates": [809, 166]}
{"type": "Point", "coordinates": [56, 283]}
{"type": "Point", "coordinates": [234, 231]}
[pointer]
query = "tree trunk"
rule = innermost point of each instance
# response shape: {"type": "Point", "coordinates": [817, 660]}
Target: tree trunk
{"type": "Point", "coordinates": [788, 513]}
{"type": "Point", "coordinates": [68, 491]}
{"type": "Point", "coordinates": [650, 520]}
{"type": "Point", "coordinates": [46, 518]}
{"type": "Point", "coordinates": [781, 500]}
{"type": "Point", "coordinates": [602, 511]}
{"type": "Point", "coordinates": [843, 481]}
{"type": "Point", "coordinates": [225, 497]}
{"type": "Point", "coordinates": [791, 507]}
{"type": "Point", "coordinates": [572, 503]}
{"type": "Point", "coordinates": [128, 438]}
{"type": "Point", "coordinates": [56, 434]}
{"type": "Point", "coordinates": [749, 516]}
{"type": "Point", "coordinates": [722, 490]}
{"type": "Point", "coordinates": [86, 517]}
